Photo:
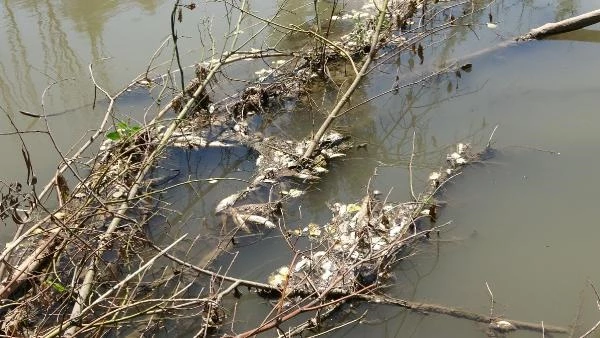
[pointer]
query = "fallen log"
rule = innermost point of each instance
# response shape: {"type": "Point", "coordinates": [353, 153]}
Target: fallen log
{"type": "Point", "coordinates": [567, 25]}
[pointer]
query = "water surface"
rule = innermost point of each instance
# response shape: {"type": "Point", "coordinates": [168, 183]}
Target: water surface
{"type": "Point", "coordinates": [523, 222]}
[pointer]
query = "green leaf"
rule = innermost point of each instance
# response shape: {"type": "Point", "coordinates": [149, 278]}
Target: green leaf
{"type": "Point", "coordinates": [113, 135]}
{"type": "Point", "coordinates": [56, 286]}
{"type": "Point", "coordinates": [123, 130]}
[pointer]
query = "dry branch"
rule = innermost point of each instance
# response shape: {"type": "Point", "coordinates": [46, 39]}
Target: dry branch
{"type": "Point", "coordinates": [83, 308]}
{"type": "Point", "coordinates": [357, 80]}
{"type": "Point", "coordinates": [146, 166]}
{"type": "Point", "coordinates": [121, 171]}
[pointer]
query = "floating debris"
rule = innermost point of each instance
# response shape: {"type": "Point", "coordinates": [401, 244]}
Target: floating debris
{"type": "Point", "coordinates": [281, 172]}
{"type": "Point", "coordinates": [361, 237]}
{"type": "Point", "coordinates": [292, 193]}
{"type": "Point", "coordinates": [313, 230]}
{"type": "Point", "coordinates": [502, 326]}
{"type": "Point", "coordinates": [227, 202]}
{"type": "Point", "coordinates": [304, 263]}
{"type": "Point", "coordinates": [279, 278]}
{"type": "Point", "coordinates": [434, 176]}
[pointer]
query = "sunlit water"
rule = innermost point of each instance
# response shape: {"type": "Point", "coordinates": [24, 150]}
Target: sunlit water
{"type": "Point", "coordinates": [524, 222]}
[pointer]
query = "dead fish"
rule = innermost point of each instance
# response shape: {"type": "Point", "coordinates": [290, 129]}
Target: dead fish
{"type": "Point", "coordinates": [503, 326]}
{"type": "Point", "coordinates": [227, 202]}
{"type": "Point", "coordinates": [259, 220]}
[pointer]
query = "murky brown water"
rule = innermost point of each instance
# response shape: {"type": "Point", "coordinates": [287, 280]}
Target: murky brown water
{"type": "Point", "coordinates": [524, 222]}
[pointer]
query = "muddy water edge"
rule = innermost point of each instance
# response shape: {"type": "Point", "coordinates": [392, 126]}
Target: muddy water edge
{"type": "Point", "coordinates": [522, 222]}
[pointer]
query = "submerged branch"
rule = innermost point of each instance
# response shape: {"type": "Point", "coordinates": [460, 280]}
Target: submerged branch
{"type": "Point", "coordinates": [495, 322]}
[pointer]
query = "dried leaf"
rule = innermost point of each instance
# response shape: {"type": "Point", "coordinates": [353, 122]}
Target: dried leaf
{"type": "Point", "coordinates": [26, 113]}
{"type": "Point", "coordinates": [27, 159]}
{"type": "Point", "coordinates": [352, 208]}
{"type": "Point", "coordinates": [284, 271]}
{"type": "Point", "coordinates": [63, 187]}
{"type": "Point", "coordinates": [277, 280]}
{"type": "Point", "coordinates": [295, 193]}
{"type": "Point", "coordinates": [236, 293]}
{"type": "Point", "coordinates": [16, 218]}
{"type": "Point", "coordinates": [314, 230]}
{"type": "Point", "coordinates": [304, 262]}
{"type": "Point", "coordinates": [434, 176]}
{"type": "Point", "coordinates": [259, 220]}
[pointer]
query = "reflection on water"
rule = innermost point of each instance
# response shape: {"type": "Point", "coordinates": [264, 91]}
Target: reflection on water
{"type": "Point", "coordinates": [582, 35]}
{"type": "Point", "coordinates": [42, 47]}
{"type": "Point", "coordinates": [19, 83]}
{"type": "Point", "coordinates": [566, 9]}
{"type": "Point", "coordinates": [48, 42]}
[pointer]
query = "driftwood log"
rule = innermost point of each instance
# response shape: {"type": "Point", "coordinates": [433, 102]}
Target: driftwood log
{"type": "Point", "coordinates": [564, 26]}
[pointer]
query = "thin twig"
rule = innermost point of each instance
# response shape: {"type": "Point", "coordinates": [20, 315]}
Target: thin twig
{"type": "Point", "coordinates": [491, 299]}
{"type": "Point", "coordinates": [410, 164]}
{"type": "Point", "coordinates": [491, 136]}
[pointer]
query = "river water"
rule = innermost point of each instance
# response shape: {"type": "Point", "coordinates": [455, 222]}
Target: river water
{"type": "Point", "coordinates": [522, 222]}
